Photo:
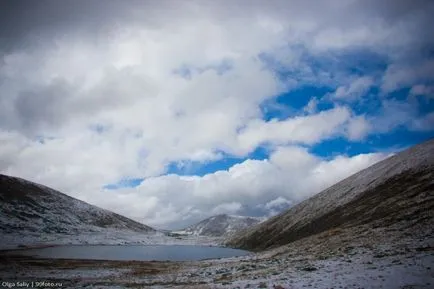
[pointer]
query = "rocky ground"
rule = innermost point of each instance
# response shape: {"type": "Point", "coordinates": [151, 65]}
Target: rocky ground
{"type": "Point", "coordinates": [356, 257]}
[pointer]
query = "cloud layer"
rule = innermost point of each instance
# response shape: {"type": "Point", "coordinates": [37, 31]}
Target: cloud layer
{"type": "Point", "coordinates": [93, 94]}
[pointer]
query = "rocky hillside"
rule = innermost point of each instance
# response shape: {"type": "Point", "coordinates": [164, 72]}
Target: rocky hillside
{"type": "Point", "coordinates": [30, 208]}
{"type": "Point", "coordinates": [398, 190]}
{"type": "Point", "coordinates": [220, 226]}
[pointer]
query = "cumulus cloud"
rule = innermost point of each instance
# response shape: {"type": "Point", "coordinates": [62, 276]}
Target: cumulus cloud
{"type": "Point", "coordinates": [354, 90]}
{"type": "Point", "coordinates": [277, 203]}
{"type": "Point", "coordinates": [227, 208]}
{"type": "Point", "coordinates": [291, 175]}
{"type": "Point", "coordinates": [400, 114]}
{"type": "Point", "coordinates": [358, 128]}
{"type": "Point", "coordinates": [401, 75]}
{"type": "Point", "coordinates": [303, 129]}
{"type": "Point", "coordinates": [423, 123]}
{"type": "Point", "coordinates": [93, 93]}
{"type": "Point", "coordinates": [311, 106]}
{"type": "Point", "coordinates": [275, 206]}
{"type": "Point", "coordinates": [424, 90]}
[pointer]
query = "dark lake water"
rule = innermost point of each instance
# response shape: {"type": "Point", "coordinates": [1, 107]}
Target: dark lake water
{"type": "Point", "coordinates": [135, 252]}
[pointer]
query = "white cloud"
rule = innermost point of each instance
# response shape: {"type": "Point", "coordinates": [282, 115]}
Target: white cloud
{"type": "Point", "coordinates": [423, 123]}
{"type": "Point", "coordinates": [302, 129]}
{"type": "Point", "coordinates": [279, 201]}
{"type": "Point", "coordinates": [397, 114]}
{"type": "Point", "coordinates": [227, 208]}
{"type": "Point", "coordinates": [354, 90]}
{"type": "Point", "coordinates": [311, 106]}
{"type": "Point", "coordinates": [358, 128]}
{"type": "Point", "coordinates": [401, 75]}
{"type": "Point", "coordinates": [291, 175]}
{"type": "Point", "coordinates": [275, 206]}
{"type": "Point", "coordinates": [425, 90]}
{"type": "Point", "coordinates": [12, 144]}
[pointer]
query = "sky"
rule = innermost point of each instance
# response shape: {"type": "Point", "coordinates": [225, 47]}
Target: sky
{"type": "Point", "coordinates": [170, 112]}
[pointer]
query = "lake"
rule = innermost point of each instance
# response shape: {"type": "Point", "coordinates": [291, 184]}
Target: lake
{"type": "Point", "coordinates": [135, 252]}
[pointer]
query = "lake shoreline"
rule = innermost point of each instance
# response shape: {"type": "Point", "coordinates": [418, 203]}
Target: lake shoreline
{"type": "Point", "coordinates": [380, 259]}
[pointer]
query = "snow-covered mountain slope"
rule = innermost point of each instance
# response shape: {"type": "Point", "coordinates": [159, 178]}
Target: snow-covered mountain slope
{"type": "Point", "coordinates": [398, 190]}
{"type": "Point", "coordinates": [220, 226]}
{"type": "Point", "coordinates": [28, 208]}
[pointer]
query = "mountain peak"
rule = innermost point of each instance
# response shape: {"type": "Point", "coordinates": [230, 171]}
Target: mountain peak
{"type": "Point", "coordinates": [31, 209]}
{"type": "Point", "coordinates": [220, 225]}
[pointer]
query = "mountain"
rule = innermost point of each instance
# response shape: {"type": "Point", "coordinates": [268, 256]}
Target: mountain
{"type": "Point", "coordinates": [398, 191]}
{"type": "Point", "coordinates": [32, 209]}
{"type": "Point", "coordinates": [220, 225]}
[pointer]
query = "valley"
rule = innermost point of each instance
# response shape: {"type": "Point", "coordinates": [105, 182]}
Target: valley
{"type": "Point", "coordinates": [371, 230]}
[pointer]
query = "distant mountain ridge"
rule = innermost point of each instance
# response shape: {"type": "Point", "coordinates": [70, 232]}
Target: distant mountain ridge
{"type": "Point", "coordinates": [222, 225]}
{"type": "Point", "coordinates": [30, 208]}
{"type": "Point", "coordinates": [396, 191]}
